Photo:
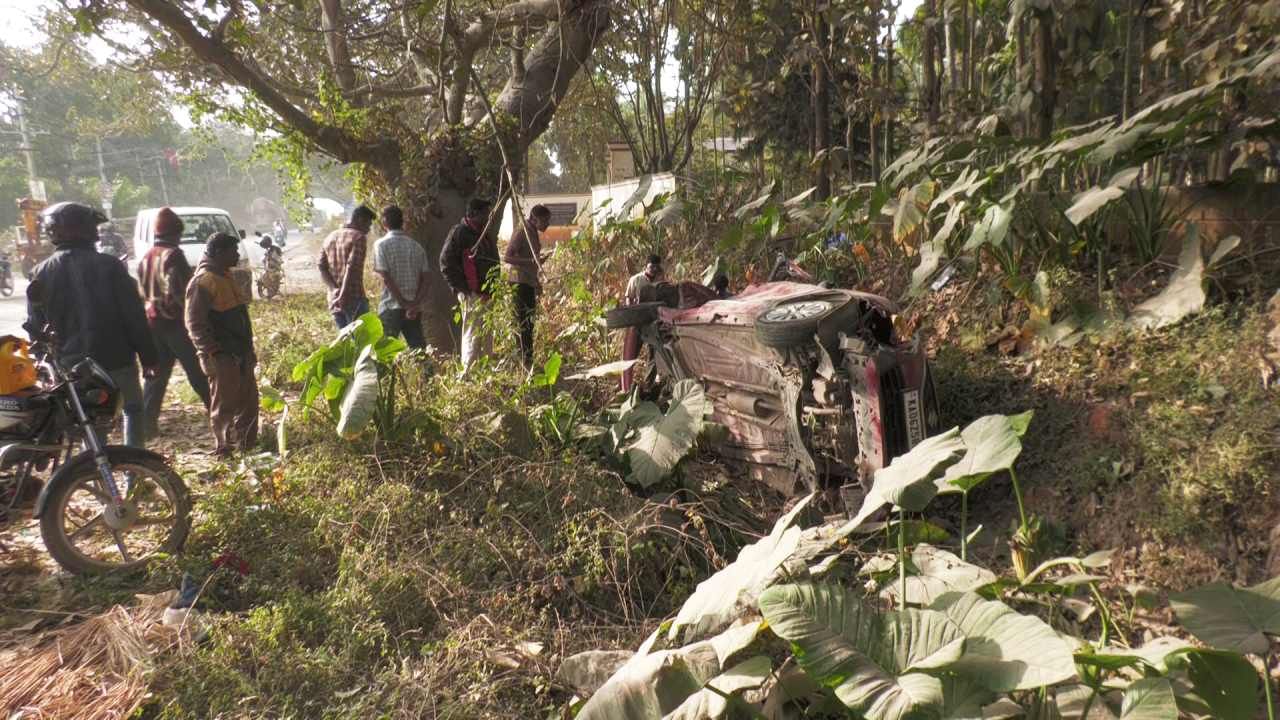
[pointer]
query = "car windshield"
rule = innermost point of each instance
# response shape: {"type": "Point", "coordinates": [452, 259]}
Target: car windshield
{"type": "Point", "coordinates": [196, 229]}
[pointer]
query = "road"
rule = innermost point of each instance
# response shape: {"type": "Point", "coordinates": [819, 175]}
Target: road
{"type": "Point", "coordinates": [300, 274]}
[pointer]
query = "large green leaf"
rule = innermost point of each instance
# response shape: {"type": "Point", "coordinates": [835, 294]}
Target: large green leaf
{"type": "Point", "coordinates": [875, 662]}
{"type": "Point", "coordinates": [361, 396]}
{"type": "Point", "coordinates": [912, 207]}
{"type": "Point", "coordinates": [1231, 618]}
{"type": "Point", "coordinates": [652, 684]}
{"type": "Point", "coordinates": [908, 481]}
{"type": "Point", "coordinates": [662, 444]}
{"type": "Point", "coordinates": [711, 702]}
{"type": "Point", "coordinates": [991, 229]}
{"type": "Point", "coordinates": [1006, 650]}
{"type": "Point", "coordinates": [1149, 699]}
{"type": "Point", "coordinates": [725, 595]}
{"type": "Point", "coordinates": [930, 256]}
{"type": "Point", "coordinates": [936, 572]}
{"type": "Point", "coordinates": [1091, 201]}
{"type": "Point", "coordinates": [991, 445]}
{"type": "Point", "coordinates": [1183, 296]}
{"type": "Point", "coordinates": [1223, 680]}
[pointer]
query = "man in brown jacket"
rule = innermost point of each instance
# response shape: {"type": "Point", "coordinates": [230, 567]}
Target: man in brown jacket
{"type": "Point", "coordinates": [163, 274]}
{"type": "Point", "coordinates": [218, 320]}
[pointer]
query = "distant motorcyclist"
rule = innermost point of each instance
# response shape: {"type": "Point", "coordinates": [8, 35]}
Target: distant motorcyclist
{"type": "Point", "coordinates": [279, 232]}
{"type": "Point", "coordinates": [111, 242]}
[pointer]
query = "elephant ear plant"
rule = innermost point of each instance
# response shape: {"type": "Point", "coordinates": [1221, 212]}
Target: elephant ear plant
{"type": "Point", "coordinates": [356, 377]}
{"type": "Point", "coordinates": [817, 621]}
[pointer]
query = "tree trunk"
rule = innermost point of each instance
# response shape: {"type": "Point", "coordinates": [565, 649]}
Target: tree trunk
{"type": "Point", "coordinates": [929, 95]}
{"type": "Point", "coordinates": [821, 109]}
{"type": "Point", "coordinates": [1046, 75]}
{"type": "Point", "coordinates": [949, 38]}
{"type": "Point", "coordinates": [891, 110]}
{"type": "Point", "coordinates": [966, 67]}
{"type": "Point", "coordinates": [877, 111]}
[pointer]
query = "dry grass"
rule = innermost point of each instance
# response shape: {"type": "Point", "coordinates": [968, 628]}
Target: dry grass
{"type": "Point", "coordinates": [95, 670]}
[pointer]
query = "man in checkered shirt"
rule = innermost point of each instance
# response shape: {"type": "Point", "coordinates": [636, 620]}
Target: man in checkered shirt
{"type": "Point", "coordinates": [341, 266]}
{"type": "Point", "coordinates": [402, 264]}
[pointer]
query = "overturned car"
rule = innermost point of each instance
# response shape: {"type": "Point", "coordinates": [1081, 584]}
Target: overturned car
{"type": "Point", "coordinates": [813, 384]}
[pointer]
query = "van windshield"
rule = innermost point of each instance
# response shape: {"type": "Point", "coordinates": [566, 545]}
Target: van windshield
{"type": "Point", "coordinates": [197, 228]}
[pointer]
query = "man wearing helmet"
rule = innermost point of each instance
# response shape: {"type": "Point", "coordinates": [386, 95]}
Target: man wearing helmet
{"type": "Point", "coordinates": [92, 305]}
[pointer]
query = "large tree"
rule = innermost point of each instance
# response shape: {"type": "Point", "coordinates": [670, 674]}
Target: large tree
{"type": "Point", "coordinates": [430, 99]}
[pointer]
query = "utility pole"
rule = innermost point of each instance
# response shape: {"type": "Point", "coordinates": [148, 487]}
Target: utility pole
{"type": "Point", "coordinates": [26, 143]}
{"type": "Point", "coordinates": [105, 190]}
{"type": "Point", "coordinates": [164, 187]}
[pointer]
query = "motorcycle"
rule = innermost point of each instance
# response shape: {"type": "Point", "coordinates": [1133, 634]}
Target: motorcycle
{"type": "Point", "coordinates": [6, 275]}
{"type": "Point", "coordinates": [104, 508]}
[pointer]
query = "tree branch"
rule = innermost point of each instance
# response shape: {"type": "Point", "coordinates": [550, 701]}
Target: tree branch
{"type": "Point", "coordinates": [335, 43]}
{"type": "Point", "coordinates": [332, 140]}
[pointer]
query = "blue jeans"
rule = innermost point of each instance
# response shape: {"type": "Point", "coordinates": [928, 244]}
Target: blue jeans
{"type": "Point", "coordinates": [126, 378]}
{"type": "Point", "coordinates": [349, 315]}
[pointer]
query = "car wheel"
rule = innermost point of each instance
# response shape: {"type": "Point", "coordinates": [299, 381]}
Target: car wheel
{"type": "Point", "coordinates": [790, 324]}
{"type": "Point", "coordinates": [625, 316]}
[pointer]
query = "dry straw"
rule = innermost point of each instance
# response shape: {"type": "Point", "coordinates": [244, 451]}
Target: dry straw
{"type": "Point", "coordinates": [95, 670]}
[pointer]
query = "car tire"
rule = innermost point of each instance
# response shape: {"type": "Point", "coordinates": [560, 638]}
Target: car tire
{"type": "Point", "coordinates": [789, 324]}
{"type": "Point", "coordinates": [625, 316]}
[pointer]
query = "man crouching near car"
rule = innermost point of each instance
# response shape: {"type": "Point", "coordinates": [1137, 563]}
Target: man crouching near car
{"type": "Point", "coordinates": [218, 320]}
{"type": "Point", "coordinates": [641, 281]}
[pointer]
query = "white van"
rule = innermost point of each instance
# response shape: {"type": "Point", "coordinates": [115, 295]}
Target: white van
{"type": "Point", "coordinates": [198, 223]}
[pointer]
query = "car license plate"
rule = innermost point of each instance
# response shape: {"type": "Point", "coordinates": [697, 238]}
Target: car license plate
{"type": "Point", "coordinates": [915, 420]}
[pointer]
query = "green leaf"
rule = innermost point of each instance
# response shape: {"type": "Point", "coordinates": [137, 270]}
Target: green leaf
{"type": "Point", "coordinates": [361, 396]}
{"type": "Point", "coordinates": [614, 368]}
{"type": "Point", "coordinates": [662, 444]}
{"type": "Point", "coordinates": [1006, 650]}
{"type": "Point", "coordinates": [1183, 296]}
{"type": "Point", "coordinates": [936, 572]}
{"type": "Point", "coordinates": [550, 372]}
{"type": "Point", "coordinates": [992, 444]}
{"type": "Point", "coordinates": [270, 399]}
{"type": "Point", "coordinates": [652, 684]}
{"type": "Point", "coordinates": [1225, 681]}
{"type": "Point", "coordinates": [708, 704]}
{"type": "Point", "coordinates": [908, 480]}
{"type": "Point", "coordinates": [364, 330]}
{"type": "Point", "coordinates": [333, 386]}
{"type": "Point", "coordinates": [1231, 618]}
{"type": "Point", "coordinates": [1149, 699]}
{"type": "Point", "coordinates": [387, 348]}
{"type": "Point", "coordinates": [991, 229]}
{"type": "Point", "coordinates": [1091, 201]}
{"type": "Point", "coordinates": [723, 596]}
{"type": "Point", "coordinates": [874, 662]}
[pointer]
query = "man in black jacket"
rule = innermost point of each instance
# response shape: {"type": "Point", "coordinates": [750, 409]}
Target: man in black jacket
{"type": "Point", "coordinates": [466, 261]}
{"type": "Point", "coordinates": [93, 307]}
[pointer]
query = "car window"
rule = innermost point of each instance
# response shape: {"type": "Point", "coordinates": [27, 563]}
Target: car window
{"type": "Point", "coordinates": [198, 227]}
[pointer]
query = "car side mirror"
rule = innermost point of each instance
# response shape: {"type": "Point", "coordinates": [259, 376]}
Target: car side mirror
{"type": "Point", "coordinates": [241, 234]}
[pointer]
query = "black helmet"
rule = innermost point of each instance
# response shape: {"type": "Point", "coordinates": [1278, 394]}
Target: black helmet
{"type": "Point", "coordinates": [71, 221]}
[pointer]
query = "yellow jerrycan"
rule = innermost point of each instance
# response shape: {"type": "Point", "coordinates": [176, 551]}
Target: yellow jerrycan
{"type": "Point", "coordinates": [17, 371]}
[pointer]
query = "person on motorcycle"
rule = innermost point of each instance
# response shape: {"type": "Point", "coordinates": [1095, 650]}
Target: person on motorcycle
{"type": "Point", "coordinates": [272, 256]}
{"type": "Point", "coordinates": [92, 306]}
{"type": "Point", "coordinates": [279, 232]}
{"type": "Point", "coordinates": [163, 274]}
{"type": "Point", "coordinates": [218, 320]}
{"type": "Point", "coordinates": [110, 241]}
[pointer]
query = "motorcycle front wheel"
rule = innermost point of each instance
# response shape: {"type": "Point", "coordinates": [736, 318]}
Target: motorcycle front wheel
{"type": "Point", "coordinates": [6, 283]}
{"type": "Point", "coordinates": [88, 535]}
